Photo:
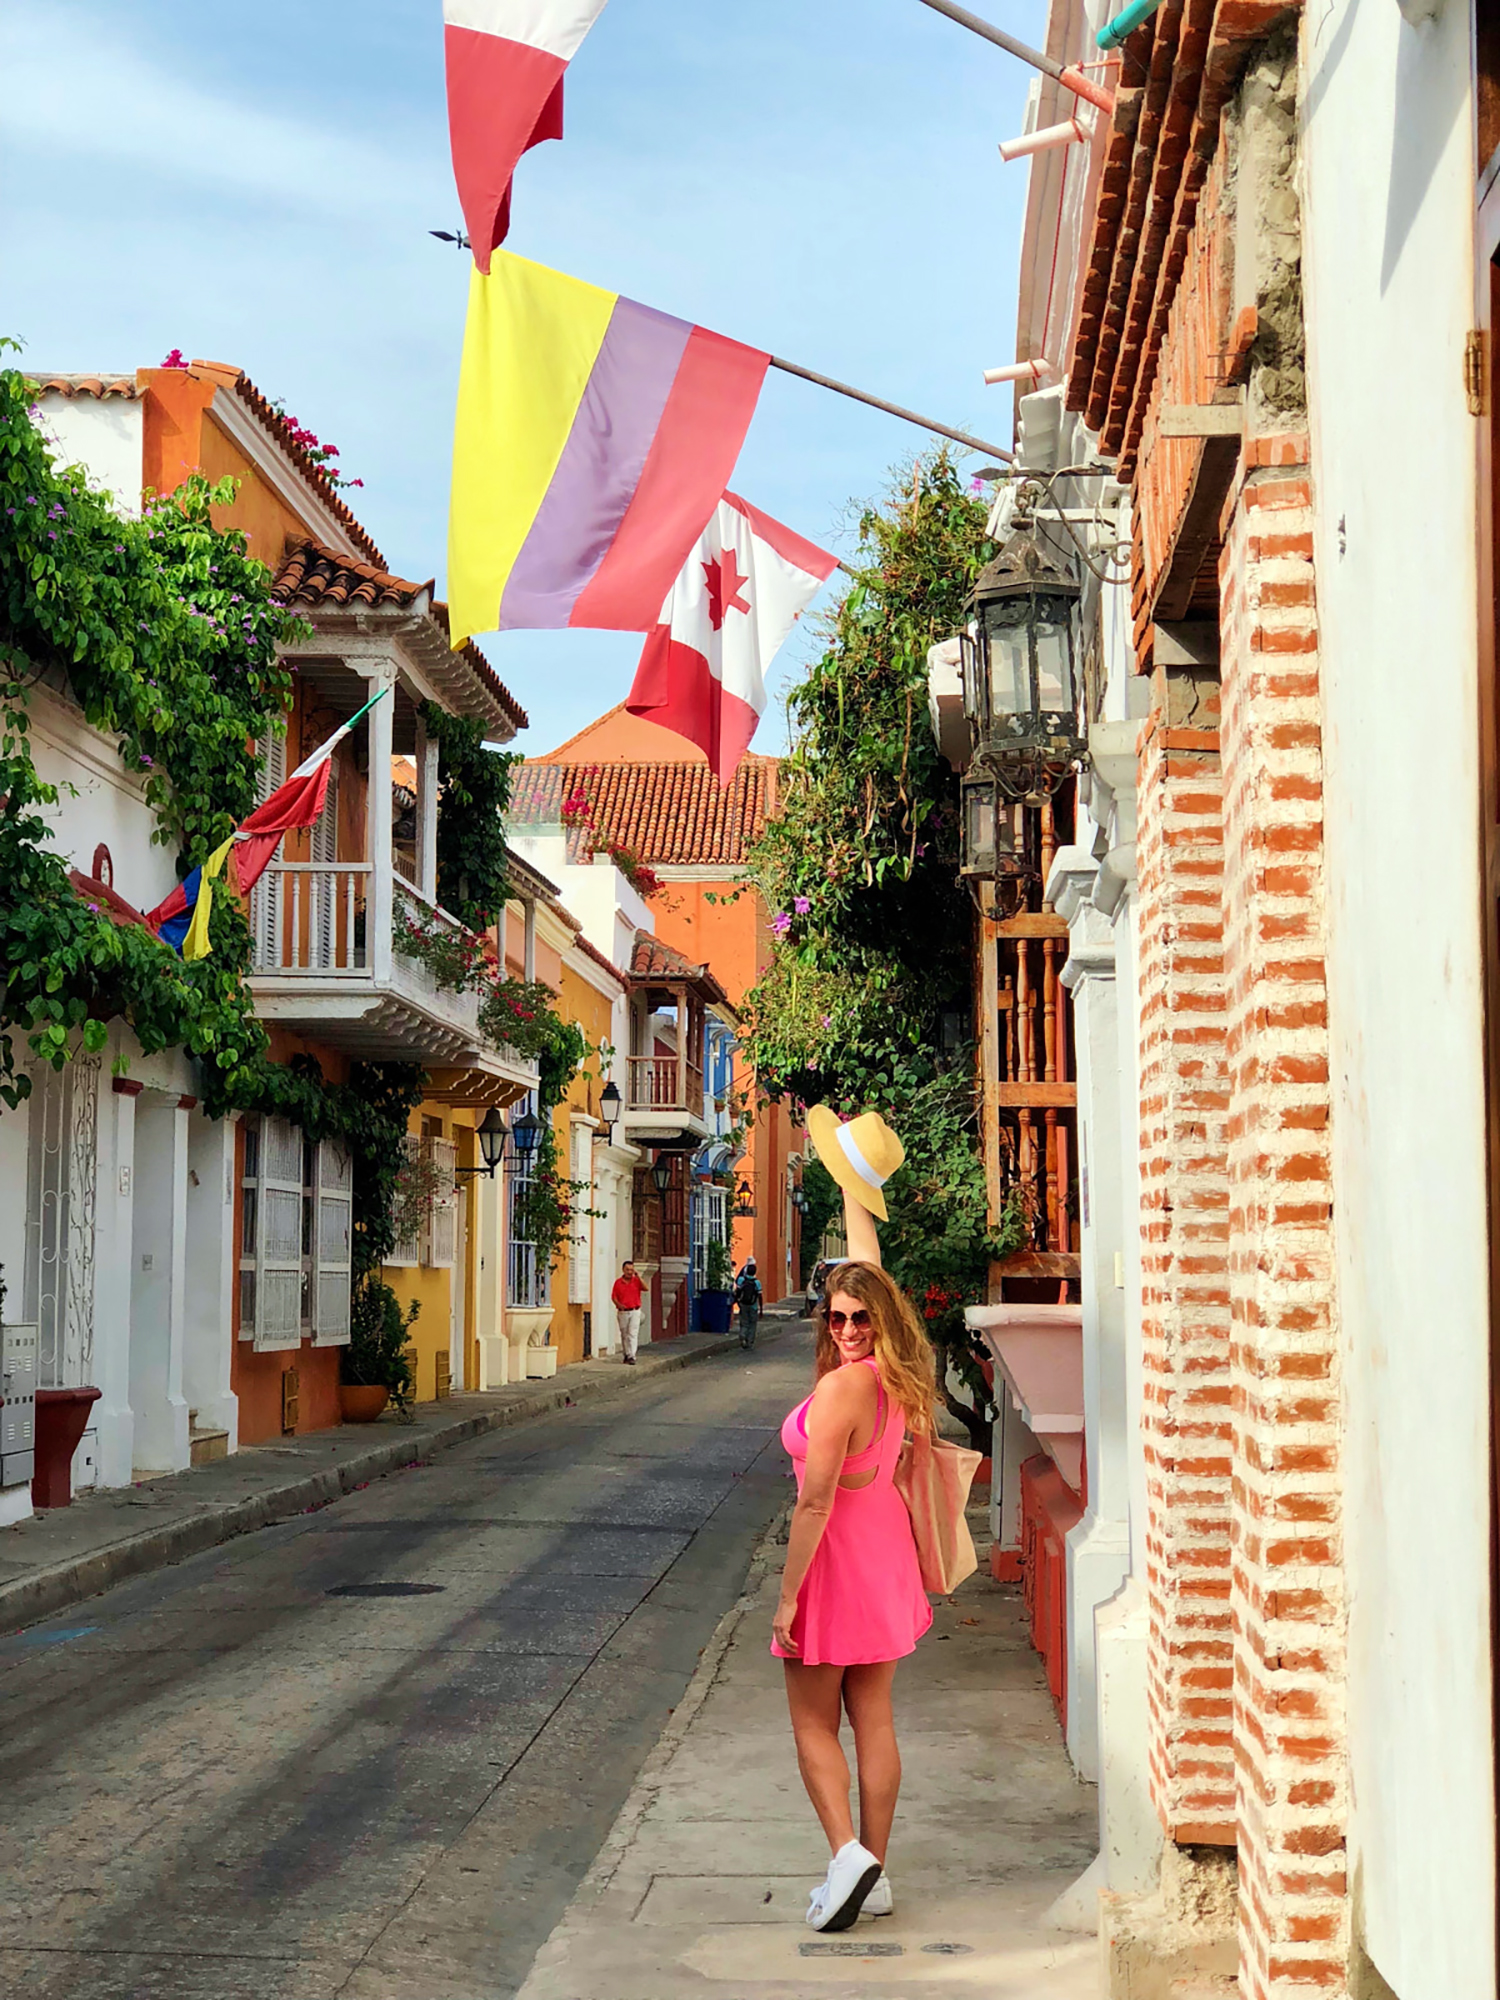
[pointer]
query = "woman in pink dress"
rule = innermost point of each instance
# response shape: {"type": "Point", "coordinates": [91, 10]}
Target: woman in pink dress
{"type": "Point", "coordinates": [852, 1602]}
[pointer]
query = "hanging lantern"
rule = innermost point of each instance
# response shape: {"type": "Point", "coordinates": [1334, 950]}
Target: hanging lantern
{"type": "Point", "coordinates": [1020, 676]}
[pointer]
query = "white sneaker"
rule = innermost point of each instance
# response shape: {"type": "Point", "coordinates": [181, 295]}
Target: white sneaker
{"type": "Point", "coordinates": [879, 1902]}
{"type": "Point", "coordinates": [838, 1900]}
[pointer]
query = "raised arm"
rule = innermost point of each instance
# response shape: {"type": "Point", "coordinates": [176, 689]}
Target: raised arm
{"type": "Point", "coordinates": [860, 1232]}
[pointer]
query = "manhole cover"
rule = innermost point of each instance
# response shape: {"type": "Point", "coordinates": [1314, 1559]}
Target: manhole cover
{"type": "Point", "coordinates": [948, 1950]}
{"type": "Point", "coordinates": [846, 1948]}
{"type": "Point", "coordinates": [385, 1589]}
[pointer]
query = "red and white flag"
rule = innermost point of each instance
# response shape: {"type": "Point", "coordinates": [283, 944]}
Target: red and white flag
{"type": "Point", "coordinates": [702, 670]}
{"type": "Point", "coordinates": [505, 61]}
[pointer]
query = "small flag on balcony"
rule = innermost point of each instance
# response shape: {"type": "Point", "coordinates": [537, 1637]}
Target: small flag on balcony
{"type": "Point", "coordinates": [593, 439]}
{"type": "Point", "coordinates": [702, 670]}
{"type": "Point", "coordinates": [505, 62]}
{"type": "Point", "coordinates": [182, 919]}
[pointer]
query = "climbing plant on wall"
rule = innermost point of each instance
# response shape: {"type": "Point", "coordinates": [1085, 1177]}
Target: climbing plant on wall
{"type": "Point", "coordinates": [163, 632]}
{"type": "Point", "coordinates": [471, 853]}
{"type": "Point", "coordinates": [871, 924]}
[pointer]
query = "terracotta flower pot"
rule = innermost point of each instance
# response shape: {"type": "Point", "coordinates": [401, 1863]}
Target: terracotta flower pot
{"type": "Point", "coordinates": [362, 1402]}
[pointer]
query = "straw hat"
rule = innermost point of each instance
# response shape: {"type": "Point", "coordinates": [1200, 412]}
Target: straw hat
{"type": "Point", "coordinates": [861, 1155]}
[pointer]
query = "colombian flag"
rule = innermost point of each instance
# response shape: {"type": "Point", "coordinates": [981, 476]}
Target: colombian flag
{"type": "Point", "coordinates": [182, 920]}
{"type": "Point", "coordinates": [594, 437]}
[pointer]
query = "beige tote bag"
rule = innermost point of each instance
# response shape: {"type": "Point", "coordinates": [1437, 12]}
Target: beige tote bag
{"type": "Point", "coordinates": [933, 1477]}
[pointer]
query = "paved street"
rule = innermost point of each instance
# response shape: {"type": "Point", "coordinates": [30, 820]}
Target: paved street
{"type": "Point", "coordinates": [371, 1752]}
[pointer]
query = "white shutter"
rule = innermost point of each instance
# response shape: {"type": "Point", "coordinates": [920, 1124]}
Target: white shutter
{"type": "Point", "coordinates": [442, 1215]}
{"type": "Point", "coordinates": [278, 1260]}
{"type": "Point", "coordinates": [333, 1224]}
{"type": "Point", "coordinates": [266, 897]}
{"type": "Point", "coordinates": [580, 1168]}
{"type": "Point", "coordinates": [323, 918]}
{"type": "Point", "coordinates": [407, 1250]}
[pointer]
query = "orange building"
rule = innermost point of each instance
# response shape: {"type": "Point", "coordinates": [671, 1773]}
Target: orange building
{"type": "Point", "coordinates": [652, 796]}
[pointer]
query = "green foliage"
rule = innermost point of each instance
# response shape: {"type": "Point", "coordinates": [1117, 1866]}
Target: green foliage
{"type": "Point", "coordinates": [164, 632]}
{"type": "Point", "coordinates": [825, 1201]}
{"type": "Point", "coordinates": [378, 1332]}
{"type": "Point", "coordinates": [471, 852]}
{"type": "Point", "coordinates": [872, 926]}
{"type": "Point", "coordinates": [718, 1266]}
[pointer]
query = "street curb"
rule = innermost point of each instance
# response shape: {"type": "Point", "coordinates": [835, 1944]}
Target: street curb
{"type": "Point", "coordinates": [44, 1593]}
{"type": "Point", "coordinates": [617, 1842]}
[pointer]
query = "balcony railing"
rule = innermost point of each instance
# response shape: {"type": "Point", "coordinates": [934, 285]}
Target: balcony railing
{"type": "Point", "coordinates": [654, 1085]}
{"type": "Point", "coordinates": [310, 917]}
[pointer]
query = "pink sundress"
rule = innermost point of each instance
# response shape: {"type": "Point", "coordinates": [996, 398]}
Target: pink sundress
{"type": "Point", "coordinates": [862, 1599]}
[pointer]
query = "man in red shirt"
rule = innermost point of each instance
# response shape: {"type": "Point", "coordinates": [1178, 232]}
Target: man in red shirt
{"type": "Point", "coordinates": [627, 1297]}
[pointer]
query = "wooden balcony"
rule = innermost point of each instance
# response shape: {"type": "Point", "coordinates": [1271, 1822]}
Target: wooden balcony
{"type": "Point", "coordinates": [326, 963]}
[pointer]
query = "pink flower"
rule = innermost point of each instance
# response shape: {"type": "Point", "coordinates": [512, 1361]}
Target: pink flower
{"type": "Point", "coordinates": [781, 923]}
{"type": "Point", "coordinates": [801, 904]}
{"type": "Point", "coordinates": [174, 359]}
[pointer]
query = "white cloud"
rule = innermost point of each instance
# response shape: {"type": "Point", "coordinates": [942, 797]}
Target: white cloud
{"type": "Point", "coordinates": [76, 90]}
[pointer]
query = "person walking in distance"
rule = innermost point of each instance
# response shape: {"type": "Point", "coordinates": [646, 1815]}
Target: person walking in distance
{"type": "Point", "coordinates": [852, 1602]}
{"type": "Point", "coordinates": [626, 1294]}
{"type": "Point", "coordinates": [747, 1296]}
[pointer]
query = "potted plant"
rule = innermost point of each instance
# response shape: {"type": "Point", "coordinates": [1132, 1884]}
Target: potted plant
{"type": "Point", "coordinates": [374, 1368]}
{"type": "Point", "coordinates": [716, 1300]}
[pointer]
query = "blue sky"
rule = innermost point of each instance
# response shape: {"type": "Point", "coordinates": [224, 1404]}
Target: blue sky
{"type": "Point", "coordinates": [255, 185]}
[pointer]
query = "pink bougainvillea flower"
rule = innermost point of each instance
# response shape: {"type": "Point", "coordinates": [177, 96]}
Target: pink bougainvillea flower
{"type": "Point", "coordinates": [781, 923]}
{"type": "Point", "coordinates": [801, 904]}
{"type": "Point", "coordinates": [174, 359]}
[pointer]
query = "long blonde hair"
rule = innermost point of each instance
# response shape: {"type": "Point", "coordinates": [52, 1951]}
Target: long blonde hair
{"type": "Point", "coordinates": [902, 1350]}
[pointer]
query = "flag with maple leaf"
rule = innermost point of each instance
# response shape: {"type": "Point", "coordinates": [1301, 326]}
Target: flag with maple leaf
{"type": "Point", "coordinates": [702, 671]}
{"type": "Point", "coordinates": [505, 61]}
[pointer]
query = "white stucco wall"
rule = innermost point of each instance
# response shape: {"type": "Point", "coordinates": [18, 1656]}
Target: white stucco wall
{"type": "Point", "coordinates": [103, 436]}
{"type": "Point", "coordinates": [1389, 192]}
{"type": "Point", "coordinates": [99, 800]}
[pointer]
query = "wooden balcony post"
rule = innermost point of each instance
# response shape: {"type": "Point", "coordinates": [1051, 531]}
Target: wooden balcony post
{"type": "Point", "coordinates": [427, 806]}
{"type": "Point", "coordinates": [989, 1049]}
{"type": "Point", "coordinates": [378, 824]}
{"type": "Point", "coordinates": [684, 1018]}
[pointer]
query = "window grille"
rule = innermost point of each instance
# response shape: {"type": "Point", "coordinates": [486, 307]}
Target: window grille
{"type": "Point", "coordinates": [407, 1249]}
{"type": "Point", "coordinates": [442, 1208]}
{"type": "Point", "coordinates": [528, 1281]}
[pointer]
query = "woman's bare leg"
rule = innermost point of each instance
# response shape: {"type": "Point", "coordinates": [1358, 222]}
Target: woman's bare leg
{"type": "Point", "coordinates": [812, 1695]}
{"type": "Point", "coordinates": [867, 1696]}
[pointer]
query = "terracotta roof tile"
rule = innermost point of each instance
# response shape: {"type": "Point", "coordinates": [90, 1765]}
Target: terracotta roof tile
{"type": "Point", "coordinates": [316, 475]}
{"type": "Point", "coordinates": [652, 959]}
{"type": "Point", "coordinates": [315, 578]}
{"type": "Point", "coordinates": [667, 815]}
{"type": "Point", "coordinates": [311, 575]}
{"type": "Point", "coordinates": [102, 386]}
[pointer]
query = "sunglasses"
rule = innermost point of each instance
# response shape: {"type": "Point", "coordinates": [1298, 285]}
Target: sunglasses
{"type": "Point", "coordinates": [859, 1321]}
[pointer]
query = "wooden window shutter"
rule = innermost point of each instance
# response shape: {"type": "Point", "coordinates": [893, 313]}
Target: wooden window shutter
{"type": "Point", "coordinates": [266, 896]}
{"type": "Point", "coordinates": [333, 1235]}
{"type": "Point", "coordinates": [442, 1214]}
{"type": "Point", "coordinates": [407, 1250]}
{"type": "Point", "coordinates": [278, 1260]}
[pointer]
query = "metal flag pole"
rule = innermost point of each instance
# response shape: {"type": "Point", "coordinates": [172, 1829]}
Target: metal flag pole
{"type": "Point", "coordinates": [1068, 75]}
{"type": "Point", "coordinates": [891, 409]}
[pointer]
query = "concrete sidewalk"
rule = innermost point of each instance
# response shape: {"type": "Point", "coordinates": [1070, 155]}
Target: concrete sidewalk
{"type": "Point", "coordinates": [700, 1891]}
{"type": "Point", "coordinates": [66, 1554]}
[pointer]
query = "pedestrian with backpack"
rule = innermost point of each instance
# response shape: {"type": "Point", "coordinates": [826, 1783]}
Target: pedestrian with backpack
{"type": "Point", "coordinates": [747, 1296]}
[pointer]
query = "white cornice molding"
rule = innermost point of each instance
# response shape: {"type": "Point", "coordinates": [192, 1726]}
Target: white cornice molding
{"type": "Point", "coordinates": [63, 727]}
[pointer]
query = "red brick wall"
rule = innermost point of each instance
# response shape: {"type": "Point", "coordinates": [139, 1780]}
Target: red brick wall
{"type": "Point", "coordinates": [1287, 1590]}
{"type": "Point", "coordinates": [1185, 1287]}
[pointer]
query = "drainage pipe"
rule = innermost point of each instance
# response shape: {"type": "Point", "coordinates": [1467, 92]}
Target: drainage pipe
{"type": "Point", "coordinates": [1114, 32]}
{"type": "Point", "coordinates": [1071, 77]}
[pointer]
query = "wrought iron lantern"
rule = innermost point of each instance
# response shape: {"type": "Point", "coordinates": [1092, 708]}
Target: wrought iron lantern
{"type": "Point", "coordinates": [1020, 670]}
{"type": "Point", "coordinates": [609, 1106]}
{"type": "Point", "coordinates": [661, 1174]}
{"type": "Point", "coordinates": [525, 1133]}
{"type": "Point", "coordinates": [491, 1136]}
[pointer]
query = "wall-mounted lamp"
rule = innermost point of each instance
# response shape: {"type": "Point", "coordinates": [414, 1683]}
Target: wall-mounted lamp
{"type": "Point", "coordinates": [491, 1137]}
